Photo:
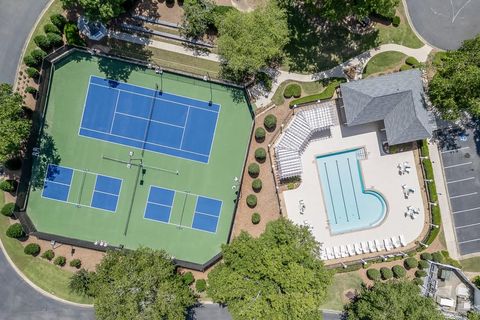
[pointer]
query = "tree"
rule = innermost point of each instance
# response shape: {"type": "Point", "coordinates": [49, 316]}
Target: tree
{"type": "Point", "coordinates": [250, 41]}
{"type": "Point", "coordinates": [14, 126]}
{"type": "Point", "coordinates": [455, 88]}
{"type": "Point", "coordinates": [197, 17]}
{"type": "Point", "coordinates": [385, 299]}
{"type": "Point", "coordinates": [98, 10]}
{"type": "Point", "coordinates": [276, 276]}
{"type": "Point", "coordinates": [140, 284]}
{"type": "Point", "coordinates": [472, 315]}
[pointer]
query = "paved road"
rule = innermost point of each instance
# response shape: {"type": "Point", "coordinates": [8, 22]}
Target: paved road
{"type": "Point", "coordinates": [17, 18]}
{"type": "Point", "coordinates": [445, 23]}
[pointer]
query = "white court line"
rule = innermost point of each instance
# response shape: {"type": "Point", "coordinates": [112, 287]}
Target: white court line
{"type": "Point", "coordinates": [468, 225]}
{"type": "Point", "coordinates": [460, 180]}
{"type": "Point", "coordinates": [114, 111]}
{"type": "Point", "coordinates": [454, 150]}
{"type": "Point", "coordinates": [457, 165]}
{"type": "Point", "coordinates": [146, 119]}
{"type": "Point", "coordinates": [473, 240]}
{"type": "Point", "coordinates": [184, 126]}
{"type": "Point", "coordinates": [476, 208]}
{"type": "Point", "coordinates": [464, 195]}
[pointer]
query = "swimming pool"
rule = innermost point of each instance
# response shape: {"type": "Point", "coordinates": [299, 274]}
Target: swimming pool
{"type": "Point", "coordinates": [349, 206]}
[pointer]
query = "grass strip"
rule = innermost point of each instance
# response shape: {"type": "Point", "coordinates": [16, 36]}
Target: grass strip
{"type": "Point", "coordinates": [327, 93]}
{"type": "Point", "coordinates": [55, 7]}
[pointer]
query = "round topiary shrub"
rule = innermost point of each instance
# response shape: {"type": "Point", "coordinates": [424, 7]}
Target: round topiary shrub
{"type": "Point", "coordinates": [51, 28]}
{"type": "Point", "coordinates": [30, 61]}
{"type": "Point", "coordinates": [251, 200]}
{"type": "Point", "coordinates": [256, 218]}
{"type": "Point", "coordinates": [188, 278]}
{"type": "Point", "coordinates": [49, 255]}
{"type": "Point", "coordinates": [32, 249]}
{"type": "Point", "coordinates": [420, 273]}
{"type": "Point", "coordinates": [76, 263]}
{"type": "Point", "coordinates": [60, 261]}
{"type": "Point", "coordinates": [253, 170]}
{"type": "Point", "coordinates": [398, 271]}
{"type": "Point", "coordinates": [386, 273]}
{"type": "Point", "coordinates": [260, 154]}
{"type": "Point", "coordinates": [58, 20]}
{"type": "Point", "coordinates": [438, 257]}
{"type": "Point", "coordinates": [412, 61]}
{"type": "Point", "coordinates": [292, 90]}
{"type": "Point", "coordinates": [32, 73]}
{"type": "Point", "coordinates": [55, 39]}
{"type": "Point", "coordinates": [38, 54]}
{"type": "Point", "coordinates": [270, 122]}
{"type": "Point", "coordinates": [42, 42]}
{"type": "Point", "coordinates": [7, 185]}
{"type": "Point", "coordinates": [260, 134]}
{"type": "Point", "coordinates": [426, 256]}
{"type": "Point", "coordinates": [31, 90]}
{"type": "Point", "coordinates": [257, 185]}
{"type": "Point", "coordinates": [410, 263]}
{"type": "Point", "coordinates": [200, 285]}
{"type": "Point", "coordinates": [373, 274]}
{"type": "Point", "coordinates": [422, 264]}
{"type": "Point", "coordinates": [7, 209]}
{"type": "Point", "coordinates": [15, 231]}
{"type": "Point", "coordinates": [418, 281]}
{"type": "Point", "coordinates": [396, 21]}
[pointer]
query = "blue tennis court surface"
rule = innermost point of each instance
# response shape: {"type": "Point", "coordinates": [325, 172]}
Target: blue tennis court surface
{"type": "Point", "coordinates": [106, 192]}
{"type": "Point", "coordinates": [207, 213]}
{"type": "Point", "coordinates": [57, 182]}
{"type": "Point", "coordinates": [145, 118]}
{"type": "Point", "coordinates": [159, 204]}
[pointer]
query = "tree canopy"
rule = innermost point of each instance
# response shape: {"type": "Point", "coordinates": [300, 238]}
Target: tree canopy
{"type": "Point", "coordinates": [140, 284]}
{"type": "Point", "coordinates": [398, 299]}
{"type": "Point", "coordinates": [98, 10]}
{"type": "Point", "coordinates": [276, 276]}
{"type": "Point", "coordinates": [14, 125]}
{"type": "Point", "coordinates": [198, 15]}
{"type": "Point", "coordinates": [250, 41]}
{"type": "Point", "coordinates": [455, 88]}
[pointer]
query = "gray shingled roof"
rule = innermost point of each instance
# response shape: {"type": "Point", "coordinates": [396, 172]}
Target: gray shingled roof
{"type": "Point", "coordinates": [397, 99]}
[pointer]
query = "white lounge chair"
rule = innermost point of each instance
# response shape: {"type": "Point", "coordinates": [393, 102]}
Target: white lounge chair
{"type": "Point", "coordinates": [379, 244]}
{"type": "Point", "coordinates": [351, 250]}
{"type": "Point", "coordinates": [337, 252]}
{"type": "Point", "coordinates": [372, 246]}
{"type": "Point", "coordinates": [344, 251]}
{"type": "Point", "coordinates": [396, 242]}
{"type": "Point", "coordinates": [402, 240]}
{"type": "Point", "coordinates": [365, 247]}
{"type": "Point", "coordinates": [358, 248]}
{"type": "Point", "coordinates": [330, 254]}
{"type": "Point", "coordinates": [388, 244]}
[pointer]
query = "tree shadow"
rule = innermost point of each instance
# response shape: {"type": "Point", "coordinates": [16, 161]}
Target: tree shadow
{"type": "Point", "coordinates": [48, 155]}
{"type": "Point", "coordinates": [146, 8]}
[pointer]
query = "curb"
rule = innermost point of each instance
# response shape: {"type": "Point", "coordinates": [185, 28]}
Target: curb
{"type": "Point", "coordinates": [407, 14]}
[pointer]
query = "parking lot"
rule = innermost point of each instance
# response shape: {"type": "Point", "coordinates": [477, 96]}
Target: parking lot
{"type": "Point", "coordinates": [461, 163]}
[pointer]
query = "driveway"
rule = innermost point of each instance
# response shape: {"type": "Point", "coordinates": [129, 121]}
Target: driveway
{"type": "Point", "coordinates": [445, 23]}
{"type": "Point", "coordinates": [17, 18]}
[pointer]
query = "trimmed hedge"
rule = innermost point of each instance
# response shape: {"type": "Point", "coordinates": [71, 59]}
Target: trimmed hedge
{"type": "Point", "coordinates": [270, 122]}
{"type": "Point", "coordinates": [60, 261]}
{"type": "Point", "coordinates": [15, 231]}
{"type": "Point", "coordinates": [30, 61]}
{"type": "Point", "coordinates": [188, 278]}
{"type": "Point", "coordinates": [58, 20]}
{"type": "Point", "coordinates": [42, 42]}
{"type": "Point", "coordinates": [260, 134]}
{"type": "Point", "coordinates": [426, 256]}
{"type": "Point", "coordinates": [256, 218]}
{"type": "Point", "coordinates": [396, 21]}
{"type": "Point", "coordinates": [373, 274]}
{"type": "Point", "coordinates": [7, 209]}
{"type": "Point", "coordinates": [32, 249]}
{"type": "Point", "coordinates": [200, 285]}
{"type": "Point", "coordinates": [55, 39]}
{"type": "Point", "coordinates": [438, 257]}
{"type": "Point", "coordinates": [251, 200]}
{"type": "Point", "coordinates": [31, 90]}
{"type": "Point", "coordinates": [72, 35]}
{"type": "Point", "coordinates": [260, 154]}
{"type": "Point", "coordinates": [418, 281]}
{"type": "Point", "coordinates": [32, 73]}
{"type": "Point", "coordinates": [398, 271]}
{"type": "Point", "coordinates": [420, 273]}
{"type": "Point", "coordinates": [76, 263]}
{"type": "Point", "coordinates": [253, 170]}
{"type": "Point", "coordinates": [7, 185]}
{"type": "Point", "coordinates": [412, 61]}
{"type": "Point", "coordinates": [405, 67]}
{"type": "Point", "coordinates": [327, 93]}
{"type": "Point", "coordinates": [292, 90]}
{"type": "Point", "coordinates": [257, 185]}
{"type": "Point", "coordinates": [422, 264]}
{"type": "Point", "coordinates": [49, 255]}
{"type": "Point", "coordinates": [51, 28]}
{"type": "Point", "coordinates": [410, 263]}
{"type": "Point", "coordinates": [386, 273]}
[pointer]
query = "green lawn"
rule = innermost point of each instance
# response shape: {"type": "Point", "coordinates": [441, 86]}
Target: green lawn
{"type": "Point", "coordinates": [384, 61]}
{"type": "Point", "coordinates": [44, 274]}
{"type": "Point", "coordinates": [342, 282]}
{"type": "Point", "coordinates": [471, 264]}
{"type": "Point", "coordinates": [307, 88]}
{"type": "Point", "coordinates": [55, 7]}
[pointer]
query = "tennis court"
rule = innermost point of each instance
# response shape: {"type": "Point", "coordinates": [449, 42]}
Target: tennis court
{"type": "Point", "coordinates": [149, 119]}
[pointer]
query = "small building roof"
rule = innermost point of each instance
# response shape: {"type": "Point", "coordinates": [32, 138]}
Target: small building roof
{"type": "Point", "coordinates": [397, 99]}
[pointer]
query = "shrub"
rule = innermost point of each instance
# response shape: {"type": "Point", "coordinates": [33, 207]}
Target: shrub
{"type": "Point", "coordinates": [76, 263]}
{"type": "Point", "coordinates": [386, 273]}
{"type": "Point", "coordinates": [188, 278]}
{"type": "Point", "coordinates": [260, 154]}
{"type": "Point", "coordinates": [410, 263]}
{"type": "Point", "coordinates": [31, 90]}
{"type": "Point", "coordinates": [200, 285]}
{"type": "Point", "coordinates": [42, 42]}
{"type": "Point", "coordinates": [60, 261]}
{"type": "Point", "coordinates": [257, 185]}
{"type": "Point", "coordinates": [426, 256]}
{"type": "Point", "coordinates": [50, 28]}
{"type": "Point", "coordinates": [80, 282]}
{"type": "Point", "coordinates": [420, 273]}
{"type": "Point", "coordinates": [72, 35]}
{"type": "Point", "coordinates": [398, 271]}
{"type": "Point", "coordinates": [7, 185]}
{"type": "Point", "coordinates": [32, 73]}
{"type": "Point", "coordinates": [32, 249]}
{"type": "Point", "coordinates": [327, 93]}
{"type": "Point", "coordinates": [405, 67]}
{"type": "Point", "coordinates": [256, 218]}
{"type": "Point", "coordinates": [30, 61]}
{"type": "Point", "coordinates": [260, 134]}
{"type": "Point", "coordinates": [49, 255]}
{"type": "Point", "coordinates": [373, 274]}
{"type": "Point", "coordinates": [476, 281]}
{"type": "Point", "coordinates": [251, 200]}
{"type": "Point", "coordinates": [55, 39]}
{"type": "Point", "coordinates": [292, 90]}
{"type": "Point", "coordinates": [270, 122]}
{"type": "Point", "coordinates": [418, 281]}
{"type": "Point", "coordinates": [13, 163]}
{"type": "Point", "coordinates": [58, 20]}
{"type": "Point", "coordinates": [253, 170]}
{"type": "Point", "coordinates": [396, 21]}
{"type": "Point", "coordinates": [15, 231]}
{"type": "Point", "coordinates": [7, 209]}
{"type": "Point", "coordinates": [412, 61]}
{"type": "Point", "coordinates": [422, 264]}
{"type": "Point", "coordinates": [438, 257]}
{"type": "Point", "coordinates": [451, 261]}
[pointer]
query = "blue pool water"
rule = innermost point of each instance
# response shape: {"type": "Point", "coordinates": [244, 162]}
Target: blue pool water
{"type": "Point", "coordinates": [349, 206]}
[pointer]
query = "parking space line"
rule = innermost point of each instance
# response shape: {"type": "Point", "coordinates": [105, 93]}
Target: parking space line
{"type": "Point", "coordinates": [468, 225]}
{"type": "Point", "coordinates": [458, 165]}
{"type": "Point", "coordinates": [459, 211]}
{"type": "Point", "coordinates": [460, 180]}
{"type": "Point", "coordinates": [453, 150]}
{"type": "Point", "coordinates": [473, 240]}
{"type": "Point", "coordinates": [464, 195]}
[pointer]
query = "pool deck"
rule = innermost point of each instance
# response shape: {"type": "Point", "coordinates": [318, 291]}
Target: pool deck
{"type": "Point", "coordinates": [380, 173]}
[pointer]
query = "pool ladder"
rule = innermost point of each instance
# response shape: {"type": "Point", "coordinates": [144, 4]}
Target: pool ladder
{"type": "Point", "coordinates": [361, 154]}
